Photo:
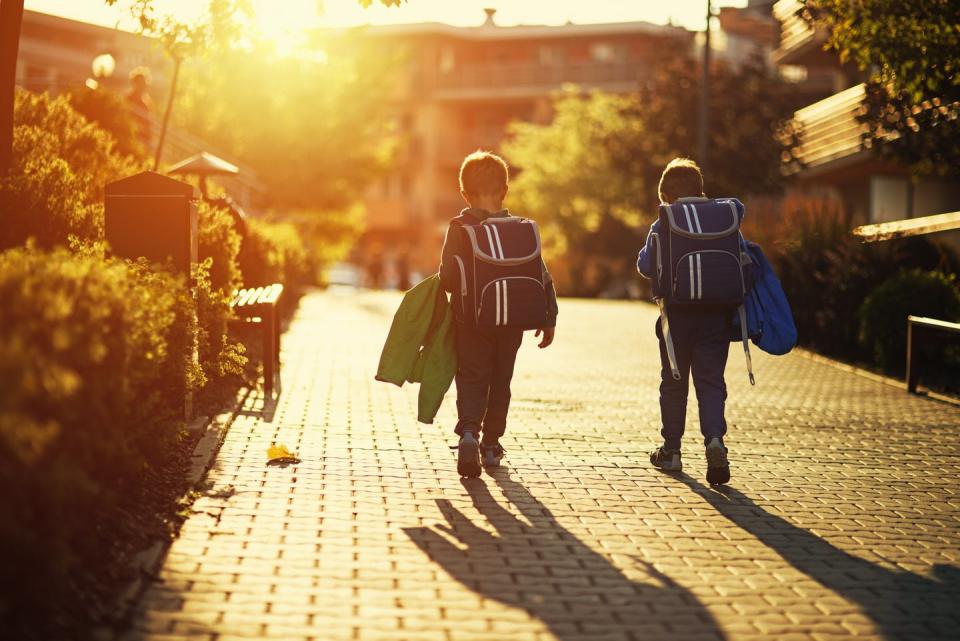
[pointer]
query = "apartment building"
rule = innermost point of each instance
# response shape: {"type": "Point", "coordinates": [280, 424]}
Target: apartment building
{"type": "Point", "coordinates": [834, 158]}
{"type": "Point", "coordinates": [57, 53]}
{"type": "Point", "coordinates": [461, 88]}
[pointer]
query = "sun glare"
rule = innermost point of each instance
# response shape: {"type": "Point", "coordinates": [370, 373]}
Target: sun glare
{"type": "Point", "coordinates": [285, 25]}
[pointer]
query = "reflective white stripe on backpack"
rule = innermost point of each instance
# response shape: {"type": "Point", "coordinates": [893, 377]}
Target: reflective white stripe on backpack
{"type": "Point", "coordinates": [496, 235]}
{"type": "Point", "coordinates": [493, 249]}
{"type": "Point", "coordinates": [500, 289]}
{"type": "Point", "coordinates": [505, 299]}
{"type": "Point", "coordinates": [696, 288]}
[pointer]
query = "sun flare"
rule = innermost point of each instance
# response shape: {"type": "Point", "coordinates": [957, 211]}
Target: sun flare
{"type": "Point", "coordinates": [286, 25]}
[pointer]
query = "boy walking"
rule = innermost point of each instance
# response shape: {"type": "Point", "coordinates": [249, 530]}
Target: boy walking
{"type": "Point", "coordinates": [700, 334]}
{"type": "Point", "coordinates": [499, 286]}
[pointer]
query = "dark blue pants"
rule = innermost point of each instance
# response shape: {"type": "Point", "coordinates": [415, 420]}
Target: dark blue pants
{"type": "Point", "coordinates": [485, 360]}
{"type": "Point", "coordinates": [701, 341]}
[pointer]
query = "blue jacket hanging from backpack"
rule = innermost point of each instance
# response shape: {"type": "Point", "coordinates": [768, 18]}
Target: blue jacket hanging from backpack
{"type": "Point", "coordinates": [769, 320]}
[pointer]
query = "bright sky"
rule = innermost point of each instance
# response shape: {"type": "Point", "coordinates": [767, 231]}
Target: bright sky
{"type": "Point", "coordinates": [298, 14]}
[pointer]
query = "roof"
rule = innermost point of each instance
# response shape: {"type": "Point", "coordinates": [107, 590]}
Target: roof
{"type": "Point", "coordinates": [149, 183]}
{"type": "Point", "coordinates": [519, 32]}
{"type": "Point", "coordinates": [203, 164]}
{"type": "Point", "coordinates": [46, 21]}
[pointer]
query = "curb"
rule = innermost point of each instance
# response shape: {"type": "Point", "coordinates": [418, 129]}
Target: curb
{"type": "Point", "coordinates": [146, 564]}
{"type": "Point", "coordinates": [878, 378]}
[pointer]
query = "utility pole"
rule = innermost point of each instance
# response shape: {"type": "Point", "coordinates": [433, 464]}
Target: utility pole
{"type": "Point", "coordinates": [166, 114]}
{"type": "Point", "coordinates": [703, 126]}
{"type": "Point", "coordinates": [11, 17]}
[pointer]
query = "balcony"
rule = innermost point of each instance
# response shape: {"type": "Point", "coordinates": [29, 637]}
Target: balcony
{"type": "Point", "coordinates": [522, 80]}
{"type": "Point", "coordinates": [800, 44]}
{"type": "Point", "coordinates": [830, 130]}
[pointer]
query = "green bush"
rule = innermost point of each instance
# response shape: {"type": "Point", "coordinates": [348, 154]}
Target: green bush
{"type": "Point", "coordinates": [826, 271]}
{"type": "Point", "coordinates": [273, 252]}
{"type": "Point", "coordinates": [883, 315]}
{"type": "Point", "coordinates": [219, 245]}
{"type": "Point", "coordinates": [109, 111]}
{"type": "Point", "coordinates": [54, 190]}
{"type": "Point", "coordinates": [94, 356]}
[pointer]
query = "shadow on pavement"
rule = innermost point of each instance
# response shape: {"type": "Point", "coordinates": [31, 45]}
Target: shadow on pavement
{"type": "Point", "coordinates": [903, 605]}
{"type": "Point", "coordinates": [543, 569]}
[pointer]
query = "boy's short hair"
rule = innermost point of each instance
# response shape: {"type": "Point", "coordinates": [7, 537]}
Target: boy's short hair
{"type": "Point", "coordinates": [681, 178]}
{"type": "Point", "coordinates": [483, 172]}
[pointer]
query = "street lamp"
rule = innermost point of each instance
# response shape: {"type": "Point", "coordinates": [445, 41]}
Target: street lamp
{"type": "Point", "coordinates": [102, 67]}
{"type": "Point", "coordinates": [703, 115]}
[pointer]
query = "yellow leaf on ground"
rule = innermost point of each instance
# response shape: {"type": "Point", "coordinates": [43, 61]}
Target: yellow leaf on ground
{"type": "Point", "coordinates": [280, 454]}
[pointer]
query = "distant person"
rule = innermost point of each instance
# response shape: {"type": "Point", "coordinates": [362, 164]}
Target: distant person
{"type": "Point", "coordinates": [375, 271]}
{"type": "Point", "coordinates": [141, 105]}
{"type": "Point", "coordinates": [403, 271]}
{"type": "Point", "coordinates": [694, 255]}
{"type": "Point", "coordinates": [500, 286]}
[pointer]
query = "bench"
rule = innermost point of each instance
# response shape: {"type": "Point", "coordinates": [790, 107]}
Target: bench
{"type": "Point", "coordinates": [923, 331]}
{"type": "Point", "coordinates": [260, 305]}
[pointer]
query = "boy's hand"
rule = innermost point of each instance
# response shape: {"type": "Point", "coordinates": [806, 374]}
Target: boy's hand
{"type": "Point", "coordinates": [548, 333]}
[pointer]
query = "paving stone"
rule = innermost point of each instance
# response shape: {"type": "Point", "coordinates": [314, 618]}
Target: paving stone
{"type": "Point", "coordinates": [842, 520]}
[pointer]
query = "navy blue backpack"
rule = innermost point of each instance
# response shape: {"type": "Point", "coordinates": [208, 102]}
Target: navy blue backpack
{"type": "Point", "coordinates": [700, 262]}
{"type": "Point", "coordinates": [502, 276]}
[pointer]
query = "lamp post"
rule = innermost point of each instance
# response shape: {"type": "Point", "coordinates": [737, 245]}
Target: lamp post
{"type": "Point", "coordinates": [703, 126]}
{"type": "Point", "coordinates": [166, 113]}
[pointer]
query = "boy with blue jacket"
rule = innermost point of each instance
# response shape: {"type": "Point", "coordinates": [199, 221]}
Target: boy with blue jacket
{"type": "Point", "coordinates": [701, 339]}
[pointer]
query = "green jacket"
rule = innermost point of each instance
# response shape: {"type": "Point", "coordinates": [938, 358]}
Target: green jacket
{"type": "Point", "coordinates": [420, 346]}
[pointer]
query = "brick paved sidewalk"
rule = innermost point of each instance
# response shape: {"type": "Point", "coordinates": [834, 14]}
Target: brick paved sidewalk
{"type": "Point", "coordinates": [842, 519]}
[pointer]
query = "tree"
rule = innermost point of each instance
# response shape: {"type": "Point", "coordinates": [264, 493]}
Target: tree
{"type": "Point", "coordinates": [316, 131]}
{"type": "Point", "coordinates": [912, 48]}
{"type": "Point", "coordinates": [11, 16]}
{"type": "Point", "coordinates": [591, 175]}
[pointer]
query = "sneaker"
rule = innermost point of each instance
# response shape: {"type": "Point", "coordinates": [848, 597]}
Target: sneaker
{"type": "Point", "coordinates": [492, 453]}
{"type": "Point", "coordinates": [718, 468]}
{"type": "Point", "coordinates": [468, 455]}
{"type": "Point", "coordinates": [666, 460]}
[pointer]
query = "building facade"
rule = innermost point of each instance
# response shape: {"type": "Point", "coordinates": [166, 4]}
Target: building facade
{"type": "Point", "coordinates": [832, 154]}
{"type": "Point", "coordinates": [461, 88]}
{"type": "Point", "coordinates": [57, 54]}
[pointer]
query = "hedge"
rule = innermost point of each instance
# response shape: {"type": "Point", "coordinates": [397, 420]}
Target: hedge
{"type": "Point", "coordinates": [96, 355]}
{"type": "Point", "coordinates": [836, 283]}
{"type": "Point", "coordinates": [95, 359]}
{"type": "Point", "coordinates": [219, 246]}
{"type": "Point", "coordinates": [54, 190]}
{"type": "Point", "coordinates": [883, 315]}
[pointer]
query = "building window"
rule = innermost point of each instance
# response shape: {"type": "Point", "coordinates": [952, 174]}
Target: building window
{"type": "Point", "coordinates": [548, 55]}
{"type": "Point", "coordinates": [889, 199]}
{"type": "Point", "coordinates": [606, 52]}
{"type": "Point", "coordinates": [448, 60]}
{"type": "Point", "coordinates": [793, 73]}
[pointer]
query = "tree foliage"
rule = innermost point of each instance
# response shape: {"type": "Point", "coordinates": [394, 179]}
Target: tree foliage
{"type": "Point", "coordinates": [60, 163]}
{"type": "Point", "coordinates": [591, 174]}
{"type": "Point", "coordinates": [912, 49]}
{"type": "Point", "coordinates": [315, 130]}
